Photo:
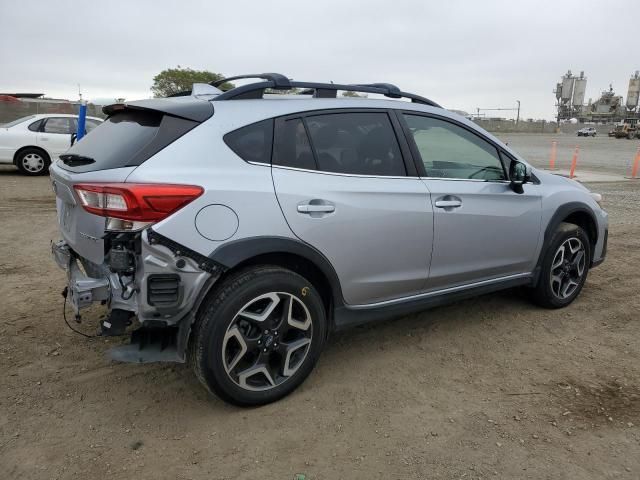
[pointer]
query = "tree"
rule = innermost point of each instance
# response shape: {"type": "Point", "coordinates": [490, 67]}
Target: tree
{"type": "Point", "coordinates": [176, 80]}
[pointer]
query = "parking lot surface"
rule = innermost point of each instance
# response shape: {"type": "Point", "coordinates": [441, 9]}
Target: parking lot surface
{"type": "Point", "coordinates": [492, 387]}
{"type": "Point", "coordinates": [598, 154]}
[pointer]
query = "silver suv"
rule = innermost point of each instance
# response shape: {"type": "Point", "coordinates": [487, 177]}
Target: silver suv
{"type": "Point", "coordinates": [240, 228]}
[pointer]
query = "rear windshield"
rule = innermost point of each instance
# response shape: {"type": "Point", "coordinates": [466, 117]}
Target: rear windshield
{"type": "Point", "coordinates": [16, 122]}
{"type": "Point", "coordinates": [127, 138]}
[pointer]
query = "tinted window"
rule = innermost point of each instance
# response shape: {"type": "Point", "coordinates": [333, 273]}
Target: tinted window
{"type": "Point", "coordinates": [57, 125]}
{"type": "Point", "coordinates": [356, 143]}
{"type": "Point", "coordinates": [450, 151]}
{"type": "Point", "coordinates": [253, 142]}
{"type": "Point", "coordinates": [292, 148]}
{"type": "Point", "coordinates": [128, 138]}
{"type": "Point", "coordinates": [35, 126]}
{"type": "Point", "coordinates": [89, 124]}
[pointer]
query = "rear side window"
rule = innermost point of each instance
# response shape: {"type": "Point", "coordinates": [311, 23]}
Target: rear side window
{"type": "Point", "coordinates": [358, 143]}
{"type": "Point", "coordinates": [292, 147]}
{"type": "Point", "coordinates": [128, 138]}
{"type": "Point", "coordinates": [253, 142]}
{"type": "Point", "coordinates": [35, 126]}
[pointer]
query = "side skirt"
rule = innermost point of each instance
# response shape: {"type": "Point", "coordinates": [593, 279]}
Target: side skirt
{"type": "Point", "coordinates": [347, 316]}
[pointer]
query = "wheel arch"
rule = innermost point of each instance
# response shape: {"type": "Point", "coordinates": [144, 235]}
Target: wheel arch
{"type": "Point", "coordinates": [29, 147]}
{"type": "Point", "coordinates": [288, 253]}
{"type": "Point", "coordinates": [576, 213]}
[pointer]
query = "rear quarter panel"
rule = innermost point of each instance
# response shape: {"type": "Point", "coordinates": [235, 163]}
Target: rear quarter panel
{"type": "Point", "coordinates": [202, 158]}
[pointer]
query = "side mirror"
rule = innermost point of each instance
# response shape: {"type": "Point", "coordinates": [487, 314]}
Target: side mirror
{"type": "Point", "coordinates": [519, 174]}
{"type": "Point", "coordinates": [74, 137]}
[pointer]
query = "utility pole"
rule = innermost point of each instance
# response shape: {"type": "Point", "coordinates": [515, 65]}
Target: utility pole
{"type": "Point", "coordinates": [518, 116]}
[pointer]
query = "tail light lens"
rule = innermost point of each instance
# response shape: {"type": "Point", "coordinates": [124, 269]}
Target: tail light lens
{"type": "Point", "coordinates": [139, 203]}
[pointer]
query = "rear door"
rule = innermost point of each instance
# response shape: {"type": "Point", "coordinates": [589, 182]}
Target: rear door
{"type": "Point", "coordinates": [345, 188]}
{"type": "Point", "coordinates": [55, 135]}
{"type": "Point", "coordinates": [482, 229]}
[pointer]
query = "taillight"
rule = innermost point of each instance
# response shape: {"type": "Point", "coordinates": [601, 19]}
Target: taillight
{"type": "Point", "coordinates": [135, 202]}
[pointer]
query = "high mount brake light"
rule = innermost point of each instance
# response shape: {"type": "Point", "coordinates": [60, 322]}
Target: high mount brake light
{"type": "Point", "coordinates": [135, 202]}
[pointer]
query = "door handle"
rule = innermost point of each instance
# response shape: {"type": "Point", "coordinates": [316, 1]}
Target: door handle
{"type": "Point", "coordinates": [448, 203]}
{"type": "Point", "coordinates": [311, 208]}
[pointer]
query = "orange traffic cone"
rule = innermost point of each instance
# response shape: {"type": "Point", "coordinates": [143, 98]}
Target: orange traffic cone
{"type": "Point", "coordinates": [552, 158]}
{"type": "Point", "coordinates": [636, 165]}
{"type": "Point", "coordinates": [574, 162]}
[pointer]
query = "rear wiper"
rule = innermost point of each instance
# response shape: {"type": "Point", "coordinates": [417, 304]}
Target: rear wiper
{"type": "Point", "coordinates": [73, 160]}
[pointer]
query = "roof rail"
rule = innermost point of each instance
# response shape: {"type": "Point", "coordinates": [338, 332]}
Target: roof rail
{"type": "Point", "coordinates": [277, 81]}
{"type": "Point", "coordinates": [280, 81]}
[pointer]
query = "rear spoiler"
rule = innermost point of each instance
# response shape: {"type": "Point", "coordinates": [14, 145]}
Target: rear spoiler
{"type": "Point", "coordinates": [189, 108]}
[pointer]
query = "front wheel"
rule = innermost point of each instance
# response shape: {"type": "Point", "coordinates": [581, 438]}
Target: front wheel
{"type": "Point", "coordinates": [564, 267]}
{"type": "Point", "coordinates": [258, 336]}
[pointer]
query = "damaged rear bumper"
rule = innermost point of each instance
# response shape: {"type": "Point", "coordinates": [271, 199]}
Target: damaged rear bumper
{"type": "Point", "coordinates": [163, 290]}
{"type": "Point", "coordinates": [82, 289]}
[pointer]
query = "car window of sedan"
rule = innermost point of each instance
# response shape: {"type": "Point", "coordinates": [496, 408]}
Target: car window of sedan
{"type": "Point", "coordinates": [35, 126]}
{"type": "Point", "coordinates": [89, 125]}
{"type": "Point", "coordinates": [57, 125]}
{"type": "Point", "coordinates": [450, 151]}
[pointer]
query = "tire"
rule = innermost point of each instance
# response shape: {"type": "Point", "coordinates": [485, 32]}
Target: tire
{"type": "Point", "coordinates": [33, 162]}
{"type": "Point", "coordinates": [245, 317]}
{"type": "Point", "coordinates": [564, 269]}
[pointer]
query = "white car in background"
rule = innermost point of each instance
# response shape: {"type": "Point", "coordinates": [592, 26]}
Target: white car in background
{"type": "Point", "coordinates": [32, 143]}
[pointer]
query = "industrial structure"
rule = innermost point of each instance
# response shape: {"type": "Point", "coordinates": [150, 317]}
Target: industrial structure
{"type": "Point", "coordinates": [609, 108]}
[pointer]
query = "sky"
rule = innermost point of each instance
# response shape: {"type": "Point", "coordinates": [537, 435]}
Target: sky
{"type": "Point", "coordinates": [461, 54]}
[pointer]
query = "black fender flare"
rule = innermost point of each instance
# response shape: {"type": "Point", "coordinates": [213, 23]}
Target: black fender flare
{"type": "Point", "coordinates": [557, 218]}
{"type": "Point", "coordinates": [236, 252]}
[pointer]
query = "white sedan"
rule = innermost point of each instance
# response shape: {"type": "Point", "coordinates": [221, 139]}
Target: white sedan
{"type": "Point", "coordinates": [32, 143]}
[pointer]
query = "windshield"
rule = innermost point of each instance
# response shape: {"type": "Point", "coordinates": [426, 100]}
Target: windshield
{"type": "Point", "coordinates": [18, 121]}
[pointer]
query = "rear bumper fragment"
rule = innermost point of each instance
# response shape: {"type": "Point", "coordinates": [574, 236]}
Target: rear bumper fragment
{"type": "Point", "coordinates": [83, 290]}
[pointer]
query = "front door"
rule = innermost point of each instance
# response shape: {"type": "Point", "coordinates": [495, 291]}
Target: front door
{"type": "Point", "coordinates": [341, 182]}
{"type": "Point", "coordinates": [482, 229]}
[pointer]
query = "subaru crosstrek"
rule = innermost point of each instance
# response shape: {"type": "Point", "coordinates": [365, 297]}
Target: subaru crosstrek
{"type": "Point", "coordinates": [238, 229]}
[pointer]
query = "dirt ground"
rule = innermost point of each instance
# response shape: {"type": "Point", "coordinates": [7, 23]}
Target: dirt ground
{"type": "Point", "coordinates": [487, 388]}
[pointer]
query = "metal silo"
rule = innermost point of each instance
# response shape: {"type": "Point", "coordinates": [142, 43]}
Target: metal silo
{"type": "Point", "coordinates": [567, 87]}
{"type": "Point", "coordinates": [579, 90]}
{"type": "Point", "coordinates": [634, 91]}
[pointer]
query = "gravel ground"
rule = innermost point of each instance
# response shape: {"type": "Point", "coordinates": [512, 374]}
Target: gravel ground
{"type": "Point", "coordinates": [487, 388]}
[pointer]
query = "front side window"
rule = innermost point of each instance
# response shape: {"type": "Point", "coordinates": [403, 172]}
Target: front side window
{"type": "Point", "coordinates": [91, 124]}
{"type": "Point", "coordinates": [360, 143]}
{"type": "Point", "coordinates": [57, 125]}
{"type": "Point", "coordinates": [450, 151]}
{"type": "Point", "coordinates": [253, 142]}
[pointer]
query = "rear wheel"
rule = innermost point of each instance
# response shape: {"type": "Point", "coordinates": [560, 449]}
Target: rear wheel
{"type": "Point", "coordinates": [564, 267]}
{"type": "Point", "coordinates": [33, 161]}
{"type": "Point", "coordinates": [259, 336]}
